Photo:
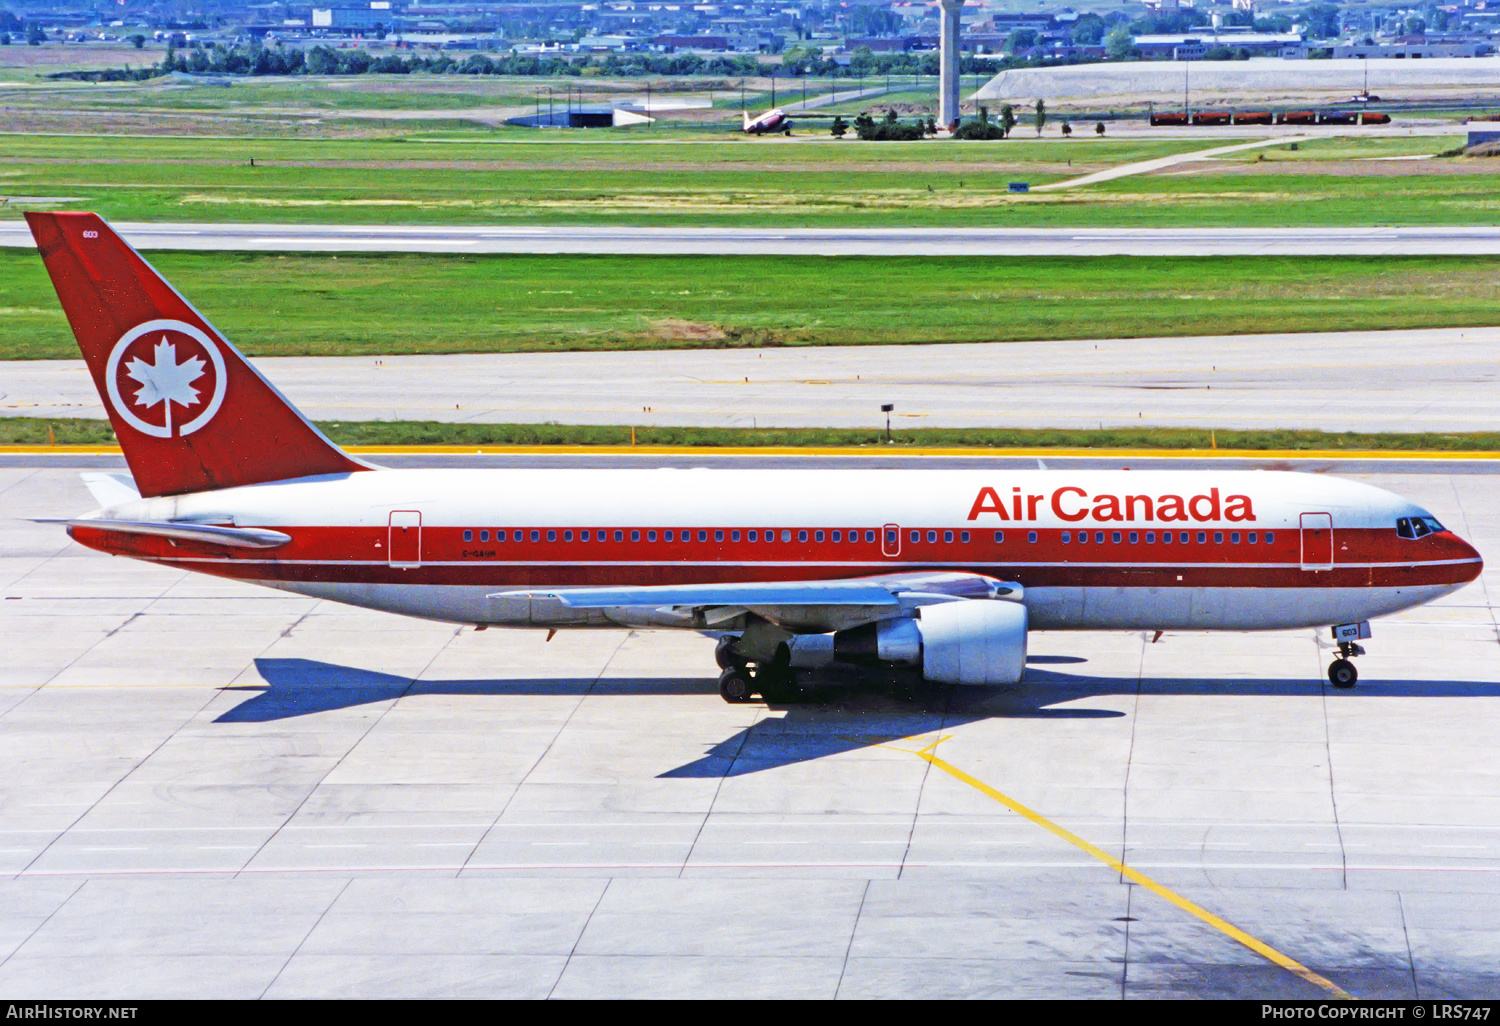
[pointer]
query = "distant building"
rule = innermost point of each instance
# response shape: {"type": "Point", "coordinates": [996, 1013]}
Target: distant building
{"type": "Point", "coordinates": [1414, 49]}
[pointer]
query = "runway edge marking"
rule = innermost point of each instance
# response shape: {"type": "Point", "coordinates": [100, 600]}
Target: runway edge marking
{"type": "Point", "coordinates": [1291, 965]}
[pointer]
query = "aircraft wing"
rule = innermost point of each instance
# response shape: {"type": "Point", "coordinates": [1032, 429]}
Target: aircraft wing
{"type": "Point", "coordinates": [896, 590]}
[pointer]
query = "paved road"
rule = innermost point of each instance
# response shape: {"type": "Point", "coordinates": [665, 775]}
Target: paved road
{"type": "Point", "coordinates": [968, 242]}
{"type": "Point", "coordinates": [214, 790]}
{"type": "Point", "coordinates": [1435, 380]}
{"type": "Point", "coordinates": [1142, 167]}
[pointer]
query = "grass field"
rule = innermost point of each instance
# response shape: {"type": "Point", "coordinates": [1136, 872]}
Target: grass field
{"type": "Point", "coordinates": [330, 305]}
{"type": "Point", "coordinates": [76, 431]}
{"type": "Point", "coordinates": [615, 177]}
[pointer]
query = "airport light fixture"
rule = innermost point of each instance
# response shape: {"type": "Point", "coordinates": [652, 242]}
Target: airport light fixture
{"type": "Point", "coordinates": [886, 409]}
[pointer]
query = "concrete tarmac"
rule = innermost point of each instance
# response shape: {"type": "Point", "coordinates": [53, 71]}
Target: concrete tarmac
{"type": "Point", "coordinates": [213, 790]}
{"type": "Point", "coordinates": [1413, 380]}
{"type": "Point", "coordinates": [884, 242]}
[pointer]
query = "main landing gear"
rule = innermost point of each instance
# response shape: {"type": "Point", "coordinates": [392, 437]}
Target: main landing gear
{"type": "Point", "coordinates": [1341, 672]}
{"type": "Point", "coordinates": [772, 679]}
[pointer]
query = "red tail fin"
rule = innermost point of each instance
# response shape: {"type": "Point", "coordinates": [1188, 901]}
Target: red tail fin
{"type": "Point", "coordinates": [189, 410]}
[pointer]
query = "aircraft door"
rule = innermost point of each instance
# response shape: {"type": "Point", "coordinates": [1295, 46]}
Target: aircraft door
{"type": "Point", "coordinates": [404, 540]}
{"type": "Point", "coordinates": [1317, 541]}
{"type": "Point", "coordinates": [890, 540]}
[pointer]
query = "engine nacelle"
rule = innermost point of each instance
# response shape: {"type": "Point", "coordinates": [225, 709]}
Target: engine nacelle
{"type": "Point", "coordinates": [973, 641]}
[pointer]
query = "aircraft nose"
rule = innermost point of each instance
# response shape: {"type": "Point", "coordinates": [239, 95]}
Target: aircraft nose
{"type": "Point", "coordinates": [1462, 550]}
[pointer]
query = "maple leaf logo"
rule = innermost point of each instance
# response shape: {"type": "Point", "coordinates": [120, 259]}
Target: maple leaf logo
{"type": "Point", "coordinates": [166, 380]}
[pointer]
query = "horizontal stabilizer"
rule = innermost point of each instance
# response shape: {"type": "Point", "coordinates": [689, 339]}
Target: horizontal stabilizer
{"type": "Point", "coordinates": [110, 489]}
{"type": "Point", "coordinates": [235, 537]}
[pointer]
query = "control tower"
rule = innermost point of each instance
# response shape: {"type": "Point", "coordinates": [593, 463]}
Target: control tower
{"type": "Point", "coordinates": [948, 59]}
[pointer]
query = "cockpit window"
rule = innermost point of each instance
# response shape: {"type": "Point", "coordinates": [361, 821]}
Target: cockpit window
{"type": "Point", "coordinates": [1417, 527]}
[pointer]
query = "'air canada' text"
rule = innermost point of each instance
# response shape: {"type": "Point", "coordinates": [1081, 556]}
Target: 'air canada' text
{"type": "Point", "coordinates": [1074, 504]}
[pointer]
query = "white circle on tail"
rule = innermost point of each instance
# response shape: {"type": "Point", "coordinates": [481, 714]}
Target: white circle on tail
{"type": "Point", "coordinates": [166, 367]}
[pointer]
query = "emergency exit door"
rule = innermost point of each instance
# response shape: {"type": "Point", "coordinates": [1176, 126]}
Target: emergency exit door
{"type": "Point", "coordinates": [404, 542]}
{"type": "Point", "coordinates": [1317, 541]}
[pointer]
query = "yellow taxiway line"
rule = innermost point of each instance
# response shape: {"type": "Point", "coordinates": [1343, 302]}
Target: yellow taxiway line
{"type": "Point", "coordinates": [791, 450]}
{"type": "Point", "coordinates": [1291, 965]}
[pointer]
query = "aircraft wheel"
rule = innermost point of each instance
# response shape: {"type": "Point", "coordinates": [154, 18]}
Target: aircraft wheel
{"type": "Point", "coordinates": [734, 686]}
{"type": "Point", "coordinates": [724, 652]}
{"type": "Point", "coordinates": [1342, 674]}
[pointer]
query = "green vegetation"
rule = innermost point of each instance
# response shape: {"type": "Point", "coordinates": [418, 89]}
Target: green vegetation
{"type": "Point", "coordinates": [32, 431]}
{"type": "Point", "coordinates": [651, 177]}
{"type": "Point", "coordinates": [316, 304]}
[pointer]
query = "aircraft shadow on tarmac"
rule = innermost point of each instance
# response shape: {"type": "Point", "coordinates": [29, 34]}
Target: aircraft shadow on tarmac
{"type": "Point", "coordinates": [834, 720]}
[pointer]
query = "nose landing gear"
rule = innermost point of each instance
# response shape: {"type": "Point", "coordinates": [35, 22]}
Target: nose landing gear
{"type": "Point", "coordinates": [1341, 672]}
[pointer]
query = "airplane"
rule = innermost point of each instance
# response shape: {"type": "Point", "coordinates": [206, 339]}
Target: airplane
{"type": "Point", "coordinates": [941, 572]}
{"type": "Point", "coordinates": [774, 120]}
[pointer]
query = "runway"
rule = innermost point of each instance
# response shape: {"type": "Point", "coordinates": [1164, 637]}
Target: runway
{"type": "Point", "coordinates": [965, 242]}
{"type": "Point", "coordinates": [1416, 380]}
{"type": "Point", "coordinates": [212, 790]}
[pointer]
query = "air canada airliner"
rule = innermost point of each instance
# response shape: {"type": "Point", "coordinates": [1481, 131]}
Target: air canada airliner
{"type": "Point", "coordinates": [940, 571]}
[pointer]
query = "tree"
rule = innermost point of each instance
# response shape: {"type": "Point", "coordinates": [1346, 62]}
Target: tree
{"type": "Point", "coordinates": [1007, 118]}
{"type": "Point", "coordinates": [1322, 21]}
{"type": "Point", "coordinates": [1119, 45]}
{"type": "Point", "coordinates": [1041, 115]}
{"type": "Point", "coordinates": [840, 127]}
{"type": "Point", "coordinates": [1088, 30]}
{"type": "Point", "coordinates": [1021, 39]}
{"type": "Point", "coordinates": [1099, 128]}
{"type": "Point", "coordinates": [1067, 129]}
{"type": "Point", "coordinates": [34, 35]}
{"type": "Point", "coordinates": [137, 40]}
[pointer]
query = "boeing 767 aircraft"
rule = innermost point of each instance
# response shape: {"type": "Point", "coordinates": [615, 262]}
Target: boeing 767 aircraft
{"type": "Point", "coordinates": [943, 571]}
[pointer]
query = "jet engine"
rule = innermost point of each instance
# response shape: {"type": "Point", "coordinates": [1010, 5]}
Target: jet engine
{"type": "Point", "coordinates": [973, 641]}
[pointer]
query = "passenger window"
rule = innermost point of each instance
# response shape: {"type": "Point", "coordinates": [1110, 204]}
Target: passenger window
{"type": "Point", "coordinates": [718, 536]}
{"type": "Point", "coordinates": [1099, 538]}
{"type": "Point", "coordinates": [1250, 537]}
{"type": "Point", "coordinates": [1134, 537]}
{"type": "Point", "coordinates": [1067, 537]}
{"type": "Point", "coordinates": [619, 536]}
{"type": "Point", "coordinates": [802, 536]}
{"type": "Point", "coordinates": [931, 537]}
{"type": "Point", "coordinates": [837, 536]}
{"type": "Point", "coordinates": [635, 536]}
{"type": "Point", "coordinates": [1270, 538]}
{"type": "Point", "coordinates": [468, 535]}
{"type": "Point", "coordinates": [703, 536]}
{"type": "Point", "coordinates": [1202, 537]}
{"type": "Point", "coordinates": [963, 536]}
{"type": "Point", "coordinates": [650, 536]}
{"type": "Point", "coordinates": [999, 537]}
{"type": "Point", "coordinates": [1150, 537]}
{"type": "Point", "coordinates": [734, 536]}
{"type": "Point", "coordinates": [1166, 537]}
{"type": "Point", "coordinates": [1218, 537]}
{"type": "Point", "coordinates": [484, 536]}
{"type": "Point", "coordinates": [1234, 537]}
{"type": "Point", "coordinates": [948, 537]}
{"type": "Point", "coordinates": [752, 536]}
{"type": "Point", "coordinates": [567, 536]}
{"type": "Point", "coordinates": [870, 536]}
{"type": "Point", "coordinates": [552, 536]}
{"type": "Point", "coordinates": [1183, 537]}
{"type": "Point", "coordinates": [665, 536]}
{"type": "Point", "coordinates": [1083, 537]}
{"type": "Point", "coordinates": [500, 536]}
{"type": "Point", "coordinates": [536, 536]}
{"type": "Point", "coordinates": [1031, 537]}
{"type": "Point", "coordinates": [1115, 537]}
{"type": "Point", "coordinates": [916, 536]}
{"type": "Point", "coordinates": [818, 536]}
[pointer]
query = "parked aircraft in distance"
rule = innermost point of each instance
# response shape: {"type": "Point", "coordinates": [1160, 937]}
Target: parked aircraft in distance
{"type": "Point", "coordinates": [944, 571]}
{"type": "Point", "coordinates": [774, 120]}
